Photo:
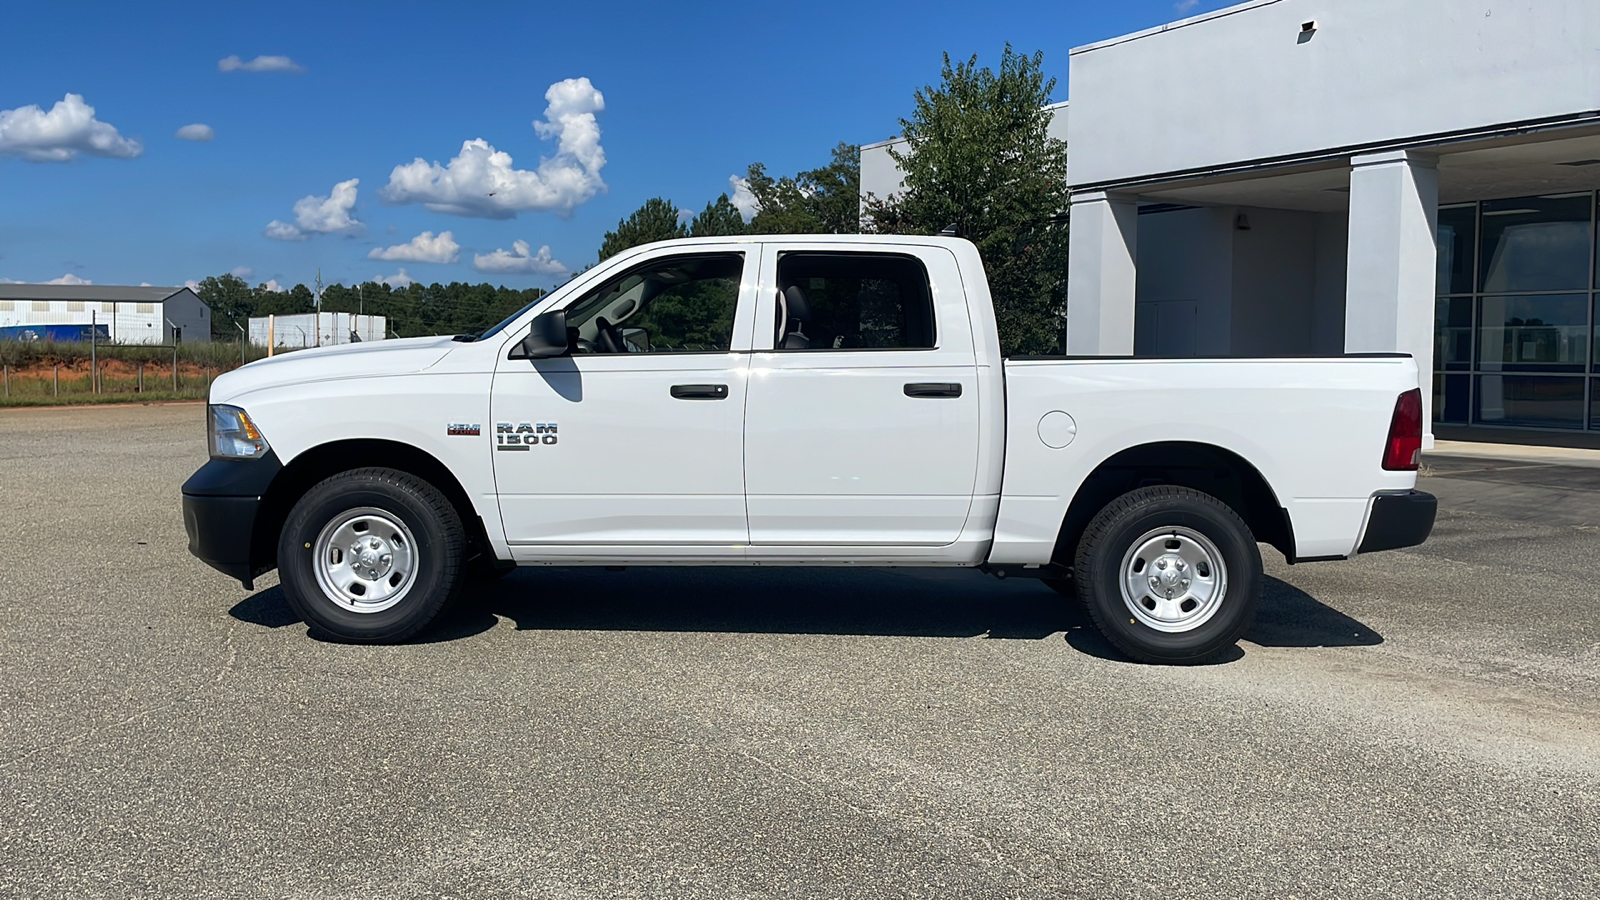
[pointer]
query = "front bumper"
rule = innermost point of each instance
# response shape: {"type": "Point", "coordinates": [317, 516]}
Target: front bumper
{"type": "Point", "coordinates": [221, 503]}
{"type": "Point", "coordinates": [1401, 519]}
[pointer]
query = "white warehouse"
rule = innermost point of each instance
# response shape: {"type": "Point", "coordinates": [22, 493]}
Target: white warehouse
{"type": "Point", "coordinates": [1290, 177]}
{"type": "Point", "coordinates": [123, 315]}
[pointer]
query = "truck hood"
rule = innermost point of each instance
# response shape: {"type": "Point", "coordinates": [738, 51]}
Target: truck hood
{"type": "Point", "coordinates": [363, 360]}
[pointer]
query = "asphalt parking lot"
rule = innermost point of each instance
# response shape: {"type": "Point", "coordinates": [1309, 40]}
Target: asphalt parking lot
{"type": "Point", "coordinates": [1420, 723]}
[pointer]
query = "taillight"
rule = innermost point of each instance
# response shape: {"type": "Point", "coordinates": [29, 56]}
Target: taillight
{"type": "Point", "coordinates": [1403, 450]}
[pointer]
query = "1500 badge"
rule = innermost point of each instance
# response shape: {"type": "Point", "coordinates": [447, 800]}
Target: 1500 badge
{"type": "Point", "coordinates": [523, 436]}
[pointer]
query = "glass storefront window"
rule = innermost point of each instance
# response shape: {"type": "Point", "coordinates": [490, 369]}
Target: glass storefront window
{"type": "Point", "coordinates": [1457, 238]}
{"type": "Point", "coordinates": [1536, 244]}
{"type": "Point", "coordinates": [1517, 313]}
{"type": "Point", "coordinates": [1452, 333]}
{"type": "Point", "coordinates": [1450, 393]}
{"type": "Point", "coordinates": [1530, 400]}
{"type": "Point", "coordinates": [1533, 334]}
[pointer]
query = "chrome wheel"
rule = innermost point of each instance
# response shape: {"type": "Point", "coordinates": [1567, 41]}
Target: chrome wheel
{"type": "Point", "coordinates": [1173, 579]}
{"type": "Point", "coordinates": [365, 560]}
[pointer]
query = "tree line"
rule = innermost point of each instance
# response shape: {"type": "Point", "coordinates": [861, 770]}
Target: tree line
{"type": "Point", "coordinates": [413, 310]}
{"type": "Point", "coordinates": [976, 156]}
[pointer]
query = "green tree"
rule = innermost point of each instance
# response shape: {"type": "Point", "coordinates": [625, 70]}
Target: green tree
{"type": "Point", "coordinates": [720, 219]}
{"type": "Point", "coordinates": [656, 220]}
{"type": "Point", "coordinates": [232, 302]}
{"type": "Point", "coordinates": [818, 201]}
{"type": "Point", "coordinates": [978, 157]}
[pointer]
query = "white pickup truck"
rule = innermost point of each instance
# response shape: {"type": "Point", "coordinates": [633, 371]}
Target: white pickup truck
{"type": "Point", "coordinates": [800, 400]}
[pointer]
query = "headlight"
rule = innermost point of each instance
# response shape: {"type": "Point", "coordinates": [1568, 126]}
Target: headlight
{"type": "Point", "coordinates": [233, 435]}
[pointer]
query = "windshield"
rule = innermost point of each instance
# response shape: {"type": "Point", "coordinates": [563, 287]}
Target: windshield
{"type": "Point", "coordinates": [506, 322]}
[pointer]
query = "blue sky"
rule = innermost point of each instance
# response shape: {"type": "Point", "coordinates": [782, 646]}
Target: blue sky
{"type": "Point", "coordinates": [321, 94]}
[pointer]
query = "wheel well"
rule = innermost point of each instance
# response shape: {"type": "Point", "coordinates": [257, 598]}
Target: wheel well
{"type": "Point", "coordinates": [318, 463]}
{"type": "Point", "coordinates": [1203, 467]}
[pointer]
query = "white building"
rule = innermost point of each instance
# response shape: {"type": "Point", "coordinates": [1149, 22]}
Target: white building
{"type": "Point", "coordinates": [1315, 176]}
{"type": "Point", "coordinates": [127, 315]}
{"type": "Point", "coordinates": [316, 329]}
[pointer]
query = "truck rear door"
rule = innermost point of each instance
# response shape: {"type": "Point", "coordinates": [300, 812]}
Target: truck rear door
{"type": "Point", "coordinates": [861, 421]}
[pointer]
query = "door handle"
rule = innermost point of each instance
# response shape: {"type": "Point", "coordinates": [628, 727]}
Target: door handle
{"type": "Point", "coordinates": [700, 391]}
{"type": "Point", "coordinates": [933, 389]}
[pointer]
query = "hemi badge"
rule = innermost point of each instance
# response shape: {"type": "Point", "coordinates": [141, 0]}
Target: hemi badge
{"type": "Point", "coordinates": [455, 430]}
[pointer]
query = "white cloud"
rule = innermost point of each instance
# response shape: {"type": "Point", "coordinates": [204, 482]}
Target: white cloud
{"type": "Point", "coordinates": [196, 132]}
{"type": "Point", "coordinates": [273, 286]}
{"type": "Point", "coordinates": [482, 181]}
{"type": "Point", "coordinates": [241, 271]}
{"type": "Point", "coordinates": [69, 278]}
{"type": "Point", "coordinates": [68, 129]}
{"type": "Point", "coordinates": [398, 280]}
{"type": "Point", "coordinates": [283, 231]}
{"type": "Point", "coordinates": [424, 248]}
{"type": "Point", "coordinates": [320, 215]}
{"type": "Point", "coordinates": [11, 281]}
{"type": "Point", "coordinates": [192, 285]}
{"type": "Point", "coordinates": [742, 198]}
{"type": "Point", "coordinates": [259, 64]}
{"type": "Point", "coordinates": [519, 260]}
{"type": "Point", "coordinates": [1184, 6]}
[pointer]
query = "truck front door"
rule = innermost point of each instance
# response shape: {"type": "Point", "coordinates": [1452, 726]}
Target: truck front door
{"type": "Point", "coordinates": [631, 446]}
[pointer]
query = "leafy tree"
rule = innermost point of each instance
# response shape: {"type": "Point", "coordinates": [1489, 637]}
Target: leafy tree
{"type": "Point", "coordinates": [818, 201]}
{"type": "Point", "coordinates": [232, 302]}
{"type": "Point", "coordinates": [720, 219]}
{"type": "Point", "coordinates": [978, 157]}
{"type": "Point", "coordinates": [656, 220]}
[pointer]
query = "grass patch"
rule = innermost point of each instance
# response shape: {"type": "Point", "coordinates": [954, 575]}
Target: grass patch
{"type": "Point", "coordinates": [101, 399]}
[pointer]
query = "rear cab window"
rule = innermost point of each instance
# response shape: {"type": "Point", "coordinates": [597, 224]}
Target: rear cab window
{"type": "Point", "coordinates": [853, 301]}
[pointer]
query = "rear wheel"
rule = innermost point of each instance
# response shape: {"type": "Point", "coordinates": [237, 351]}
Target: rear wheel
{"type": "Point", "coordinates": [370, 555]}
{"type": "Point", "coordinates": [1169, 574]}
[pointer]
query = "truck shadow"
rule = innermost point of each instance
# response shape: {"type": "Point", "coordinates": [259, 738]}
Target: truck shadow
{"type": "Point", "coordinates": [872, 602]}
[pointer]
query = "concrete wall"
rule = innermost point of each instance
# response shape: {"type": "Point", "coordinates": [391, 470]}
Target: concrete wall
{"type": "Point", "coordinates": [1273, 266]}
{"type": "Point", "coordinates": [1188, 255]}
{"type": "Point", "coordinates": [880, 177]}
{"type": "Point", "coordinates": [1276, 289]}
{"type": "Point", "coordinates": [1242, 84]}
{"type": "Point", "coordinates": [1327, 293]}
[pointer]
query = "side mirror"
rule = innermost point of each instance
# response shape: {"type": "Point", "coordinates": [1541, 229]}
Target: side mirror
{"type": "Point", "coordinates": [547, 338]}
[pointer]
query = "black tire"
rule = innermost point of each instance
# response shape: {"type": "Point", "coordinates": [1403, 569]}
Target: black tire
{"type": "Point", "coordinates": [1132, 521]}
{"type": "Point", "coordinates": [437, 555]}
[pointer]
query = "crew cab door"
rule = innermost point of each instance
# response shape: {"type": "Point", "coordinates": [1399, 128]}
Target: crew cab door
{"type": "Point", "coordinates": [631, 446]}
{"type": "Point", "coordinates": [861, 426]}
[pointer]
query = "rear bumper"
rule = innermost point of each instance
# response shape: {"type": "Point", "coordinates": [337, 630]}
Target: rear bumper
{"type": "Point", "coordinates": [221, 503]}
{"type": "Point", "coordinates": [1400, 519]}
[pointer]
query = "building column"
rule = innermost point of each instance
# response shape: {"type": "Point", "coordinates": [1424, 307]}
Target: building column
{"type": "Point", "coordinates": [1389, 289]}
{"type": "Point", "coordinates": [1102, 273]}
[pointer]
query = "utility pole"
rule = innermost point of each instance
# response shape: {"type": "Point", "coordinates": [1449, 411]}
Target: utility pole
{"type": "Point", "coordinates": [318, 317]}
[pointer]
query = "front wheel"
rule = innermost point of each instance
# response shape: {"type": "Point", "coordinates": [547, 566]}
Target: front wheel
{"type": "Point", "coordinates": [1169, 574]}
{"type": "Point", "coordinates": [370, 555]}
